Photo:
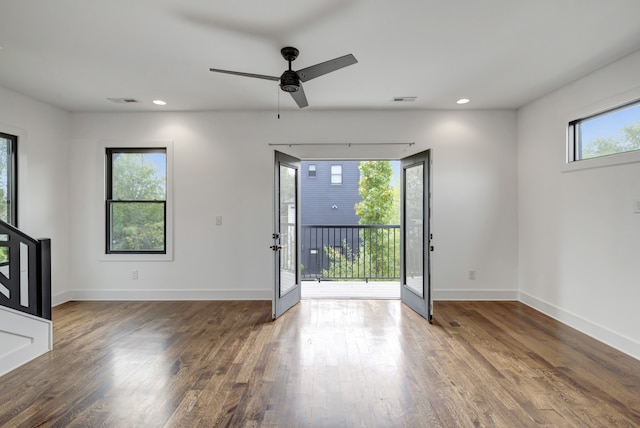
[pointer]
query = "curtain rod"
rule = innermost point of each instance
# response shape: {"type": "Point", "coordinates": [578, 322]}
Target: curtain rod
{"type": "Point", "coordinates": [341, 144]}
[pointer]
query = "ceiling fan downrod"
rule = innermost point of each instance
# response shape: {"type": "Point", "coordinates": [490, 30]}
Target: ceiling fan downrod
{"type": "Point", "coordinates": [289, 81]}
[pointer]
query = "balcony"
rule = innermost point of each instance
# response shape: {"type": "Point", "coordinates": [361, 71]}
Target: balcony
{"type": "Point", "coordinates": [350, 253]}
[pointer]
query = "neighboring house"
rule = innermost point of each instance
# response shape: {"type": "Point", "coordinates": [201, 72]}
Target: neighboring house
{"type": "Point", "coordinates": [329, 192]}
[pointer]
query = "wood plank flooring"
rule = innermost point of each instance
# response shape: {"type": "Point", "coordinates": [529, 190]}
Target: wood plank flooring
{"type": "Point", "coordinates": [325, 363]}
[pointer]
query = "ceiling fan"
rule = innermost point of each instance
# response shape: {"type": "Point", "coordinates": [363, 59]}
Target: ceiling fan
{"type": "Point", "coordinates": [290, 79]}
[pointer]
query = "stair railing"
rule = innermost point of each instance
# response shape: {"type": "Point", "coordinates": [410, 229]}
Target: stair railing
{"type": "Point", "coordinates": [25, 272]}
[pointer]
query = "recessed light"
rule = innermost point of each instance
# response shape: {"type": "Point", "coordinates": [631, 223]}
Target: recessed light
{"type": "Point", "coordinates": [463, 100]}
{"type": "Point", "coordinates": [159, 102]}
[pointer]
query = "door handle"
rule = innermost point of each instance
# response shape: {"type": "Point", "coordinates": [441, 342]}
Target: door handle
{"type": "Point", "coordinates": [276, 247]}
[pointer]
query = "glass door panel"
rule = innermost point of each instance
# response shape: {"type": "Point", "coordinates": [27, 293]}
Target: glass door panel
{"type": "Point", "coordinates": [415, 272]}
{"type": "Point", "coordinates": [414, 229]}
{"type": "Point", "coordinates": [287, 215]}
{"type": "Point", "coordinates": [285, 246]}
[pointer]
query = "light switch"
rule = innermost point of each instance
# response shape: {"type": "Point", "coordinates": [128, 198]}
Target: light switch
{"type": "Point", "coordinates": [636, 207]}
{"type": "Point", "coordinates": [218, 220]}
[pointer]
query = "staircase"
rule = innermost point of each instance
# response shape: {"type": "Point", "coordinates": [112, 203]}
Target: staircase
{"type": "Point", "coordinates": [26, 330]}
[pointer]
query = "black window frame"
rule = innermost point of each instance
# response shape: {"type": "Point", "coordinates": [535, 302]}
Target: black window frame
{"type": "Point", "coordinates": [109, 201]}
{"type": "Point", "coordinates": [12, 176]}
{"type": "Point", "coordinates": [574, 137]}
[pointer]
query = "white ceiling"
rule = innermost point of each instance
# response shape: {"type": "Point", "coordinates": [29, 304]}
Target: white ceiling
{"type": "Point", "coordinates": [501, 54]}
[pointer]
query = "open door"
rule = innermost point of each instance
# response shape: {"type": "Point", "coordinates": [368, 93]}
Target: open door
{"type": "Point", "coordinates": [415, 281]}
{"type": "Point", "coordinates": [286, 249]}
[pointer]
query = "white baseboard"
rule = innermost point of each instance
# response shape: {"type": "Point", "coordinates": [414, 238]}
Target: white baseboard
{"type": "Point", "coordinates": [61, 298]}
{"type": "Point", "coordinates": [475, 294]}
{"type": "Point", "coordinates": [598, 332]}
{"type": "Point", "coordinates": [23, 338]}
{"type": "Point", "coordinates": [250, 295]}
{"type": "Point", "coordinates": [170, 295]}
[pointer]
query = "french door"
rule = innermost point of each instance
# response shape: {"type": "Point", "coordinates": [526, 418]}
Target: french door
{"type": "Point", "coordinates": [415, 216]}
{"type": "Point", "coordinates": [286, 248]}
{"type": "Point", "coordinates": [415, 282]}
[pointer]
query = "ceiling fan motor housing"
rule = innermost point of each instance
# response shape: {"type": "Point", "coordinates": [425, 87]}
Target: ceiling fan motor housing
{"type": "Point", "coordinates": [289, 81]}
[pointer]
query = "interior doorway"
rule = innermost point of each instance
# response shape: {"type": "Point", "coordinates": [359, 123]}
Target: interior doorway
{"type": "Point", "coordinates": [350, 229]}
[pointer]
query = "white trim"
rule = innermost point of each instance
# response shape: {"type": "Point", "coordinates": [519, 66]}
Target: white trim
{"type": "Point", "coordinates": [475, 294]}
{"type": "Point", "coordinates": [598, 107]}
{"type": "Point", "coordinates": [603, 161]}
{"type": "Point", "coordinates": [100, 201]}
{"type": "Point", "coordinates": [596, 331]}
{"type": "Point", "coordinates": [157, 295]}
{"type": "Point", "coordinates": [61, 298]}
{"type": "Point", "coordinates": [34, 334]}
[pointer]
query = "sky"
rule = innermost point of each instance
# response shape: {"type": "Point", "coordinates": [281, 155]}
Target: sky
{"type": "Point", "coordinates": [609, 125]}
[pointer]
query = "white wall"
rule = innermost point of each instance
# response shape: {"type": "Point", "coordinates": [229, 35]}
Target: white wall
{"type": "Point", "coordinates": [579, 240]}
{"type": "Point", "coordinates": [224, 166]}
{"type": "Point", "coordinates": [43, 169]}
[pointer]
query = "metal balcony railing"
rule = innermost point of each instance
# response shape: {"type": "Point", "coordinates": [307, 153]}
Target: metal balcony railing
{"type": "Point", "coordinates": [345, 252]}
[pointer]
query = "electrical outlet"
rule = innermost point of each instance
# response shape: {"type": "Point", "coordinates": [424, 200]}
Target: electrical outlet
{"type": "Point", "coordinates": [472, 274]}
{"type": "Point", "coordinates": [134, 274]}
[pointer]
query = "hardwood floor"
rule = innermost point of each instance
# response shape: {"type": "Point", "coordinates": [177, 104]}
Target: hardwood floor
{"type": "Point", "coordinates": [350, 363]}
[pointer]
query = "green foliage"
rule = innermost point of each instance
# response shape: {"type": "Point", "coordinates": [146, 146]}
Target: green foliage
{"type": "Point", "coordinates": [376, 206]}
{"type": "Point", "coordinates": [137, 178]}
{"type": "Point", "coordinates": [603, 146]}
{"type": "Point", "coordinates": [4, 179]}
{"type": "Point", "coordinates": [378, 256]}
{"type": "Point", "coordinates": [378, 253]}
{"type": "Point", "coordinates": [4, 187]}
{"type": "Point", "coordinates": [138, 225]}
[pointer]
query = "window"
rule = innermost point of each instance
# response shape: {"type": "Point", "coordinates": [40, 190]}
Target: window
{"type": "Point", "coordinates": [611, 132]}
{"type": "Point", "coordinates": [8, 178]}
{"type": "Point", "coordinates": [312, 170]}
{"type": "Point", "coordinates": [136, 200]}
{"type": "Point", "coordinates": [336, 174]}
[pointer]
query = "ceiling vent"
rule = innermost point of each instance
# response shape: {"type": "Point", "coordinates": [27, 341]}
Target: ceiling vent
{"type": "Point", "coordinates": [123, 100]}
{"type": "Point", "coordinates": [404, 99]}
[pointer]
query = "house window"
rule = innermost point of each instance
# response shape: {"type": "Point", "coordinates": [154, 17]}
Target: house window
{"type": "Point", "coordinates": [136, 200]}
{"type": "Point", "coordinates": [312, 170]}
{"type": "Point", "coordinates": [611, 132]}
{"type": "Point", "coordinates": [8, 178]}
{"type": "Point", "coordinates": [336, 174]}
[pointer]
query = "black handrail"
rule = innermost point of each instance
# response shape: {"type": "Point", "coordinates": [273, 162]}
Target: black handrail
{"type": "Point", "coordinates": [350, 252]}
{"type": "Point", "coordinates": [29, 290]}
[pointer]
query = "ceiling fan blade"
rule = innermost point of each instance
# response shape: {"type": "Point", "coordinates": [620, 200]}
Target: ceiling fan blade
{"type": "Point", "coordinates": [326, 67]}
{"type": "Point", "coordinates": [300, 98]}
{"type": "Point", "coordinates": [239, 73]}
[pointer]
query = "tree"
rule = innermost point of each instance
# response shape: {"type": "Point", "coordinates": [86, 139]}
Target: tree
{"type": "Point", "coordinates": [378, 252]}
{"type": "Point", "coordinates": [376, 206]}
{"type": "Point", "coordinates": [602, 146]}
{"type": "Point", "coordinates": [137, 220]}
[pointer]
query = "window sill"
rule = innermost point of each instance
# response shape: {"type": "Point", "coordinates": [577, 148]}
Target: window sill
{"type": "Point", "coordinates": [604, 161]}
{"type": "Point", "coordinates": [136, 258]}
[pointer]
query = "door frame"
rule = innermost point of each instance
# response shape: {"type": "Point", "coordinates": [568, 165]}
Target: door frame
{"type": "Point", "coordinates": [423, 305]}
{"type": "Point", "coordinates": [425, 308]}
{"type": "Point", "coordinates": [283, 302]}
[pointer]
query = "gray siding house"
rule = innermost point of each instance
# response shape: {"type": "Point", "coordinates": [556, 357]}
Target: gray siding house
{"type": "Point", "coordinates": [329, 191]}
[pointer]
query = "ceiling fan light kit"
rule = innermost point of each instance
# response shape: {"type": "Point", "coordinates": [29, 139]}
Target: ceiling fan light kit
{"type": "Point", "coordinates": [290, 79]}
